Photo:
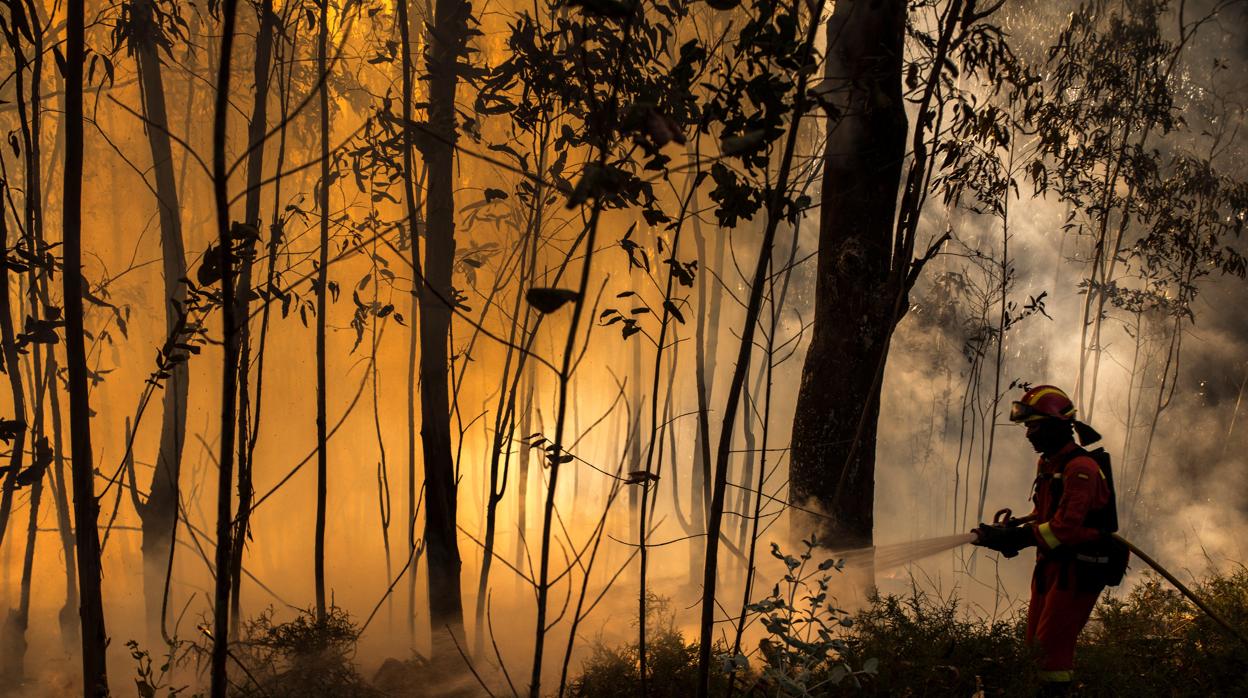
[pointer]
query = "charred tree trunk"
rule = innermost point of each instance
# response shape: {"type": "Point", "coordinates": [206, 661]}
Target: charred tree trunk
{"type": "Point", "coordinates": [158, 514]}
{"type": "Point", "coordinates": [86, 508]}
{"type": "Point", "coordinates": [834, 430]}
{"type": "Point", "coordinates": [447, 42]}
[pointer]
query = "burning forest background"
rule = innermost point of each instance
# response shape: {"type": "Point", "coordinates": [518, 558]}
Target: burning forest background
{"type": "Point", "coordinates": [514, 307]}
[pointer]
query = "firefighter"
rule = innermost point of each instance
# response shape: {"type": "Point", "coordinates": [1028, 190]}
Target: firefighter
{"type": "Point", "coordinates": [1074, 514]}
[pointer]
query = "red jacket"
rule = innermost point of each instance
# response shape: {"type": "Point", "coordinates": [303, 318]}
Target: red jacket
{"type": "Point", "coordinates": [1084, 489]}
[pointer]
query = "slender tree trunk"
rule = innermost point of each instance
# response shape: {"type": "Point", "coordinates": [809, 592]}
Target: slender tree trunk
{"type": "Point", "coordinates": [505, 423]}
{"type": "Point", "coordinates": [17, 390]}
{"type": "Point", "coordinates": [834, 429]}
{"type": "Point", "coordinates": [86, 508]}
{"type": "Point", "coordinates": [522, 467]}
{"type": "Point", "coordinates": [68, 615]}
{"type": "Point", "coordinates": [1002, 323]}
{"type": "Point", "coordinates": [31, 122]}
{"type": "Point", "coordinates": [19, 426]}
{"type": "Point", "coordinates": [322, 292]}
{"type": "Point", "coordinates": [69, 612]}
{"type": "Point", "coordinates": [635, 457]}
{"type": "Point", "coordinates": [158, 513]}
{"type": "Point", "coordinates": [704, 376]}
{"type": "Point", "coordinates": [13, 632]}
{"type": "Point", "coordinates": [15, 644]}
{"type": "Point", "coordinates": [719, 484]}
{"type": "Point", "coordinates": [411, 194]}
{"type": "Point", "coordinates": [229, 363]}
{"type": "Point", "coordinates": [447, 42]}
{"type": "Point", "coordinates": [256, 132]}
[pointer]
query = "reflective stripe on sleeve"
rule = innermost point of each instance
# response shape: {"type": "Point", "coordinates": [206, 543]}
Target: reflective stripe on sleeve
{"type": "Point", "coordinates": [1064, 676]}
{"type": "Point", "coordinates": [1046, 532]}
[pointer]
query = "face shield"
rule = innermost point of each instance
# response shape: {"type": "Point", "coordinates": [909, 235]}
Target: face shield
{"type": "Point", "coordinates": [1022, 412]}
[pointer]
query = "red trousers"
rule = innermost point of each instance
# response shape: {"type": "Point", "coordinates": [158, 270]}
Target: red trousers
{"type": "Point", "coordinates": [1057, 613]}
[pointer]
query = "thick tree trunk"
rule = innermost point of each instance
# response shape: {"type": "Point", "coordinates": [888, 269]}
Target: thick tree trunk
{"type": "Point", "coordinates": [158, 514]}
{"type": "Point", "coordinates": [447, 40]}
{"type": "Point", "coordinates": [86, 508]}
{"type": "Point", "coordinates": [834, 430]}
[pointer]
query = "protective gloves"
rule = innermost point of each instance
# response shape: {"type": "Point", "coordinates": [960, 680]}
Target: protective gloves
{"type": "Point", "coordinates": [1007, 540]}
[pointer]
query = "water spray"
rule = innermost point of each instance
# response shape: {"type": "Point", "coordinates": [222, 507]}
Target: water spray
{"type": "Point", "coordinates": [895, 555]}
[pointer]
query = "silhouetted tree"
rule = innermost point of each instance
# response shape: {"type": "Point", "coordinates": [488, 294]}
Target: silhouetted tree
{"type": "Point", "coordinates": [86, 508]}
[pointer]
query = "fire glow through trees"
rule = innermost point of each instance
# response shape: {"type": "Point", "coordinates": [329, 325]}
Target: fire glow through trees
{"type": "Point", "coordinates": [455, 330]}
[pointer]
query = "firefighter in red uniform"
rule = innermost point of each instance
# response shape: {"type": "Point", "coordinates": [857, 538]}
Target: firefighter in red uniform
{"type": "Point", "coordinates": [1074, 514]}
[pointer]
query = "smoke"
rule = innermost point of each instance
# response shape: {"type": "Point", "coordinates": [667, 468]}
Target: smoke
{"type": "Point", "coordinates": [931, 454]}
{"type": "Point", "coordinates": [1185, 508]}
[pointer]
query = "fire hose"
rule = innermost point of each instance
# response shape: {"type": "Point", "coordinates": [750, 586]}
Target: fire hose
{"type": "Point", "coordinates": [1191, 596]}
{"type": "Point", "coordinates": [1005, 518]}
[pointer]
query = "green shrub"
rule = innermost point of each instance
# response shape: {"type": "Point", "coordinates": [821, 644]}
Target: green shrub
{"type": "Point", "coordinates": [1153, 641]}
{"type": "Point", "coordinates": [930, 646]}
{"type": "Point", "coordinates": [671, 663]}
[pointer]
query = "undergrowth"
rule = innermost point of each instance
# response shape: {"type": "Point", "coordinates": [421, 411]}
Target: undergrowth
{"type": "Point", "coordinates": [1149, 641]}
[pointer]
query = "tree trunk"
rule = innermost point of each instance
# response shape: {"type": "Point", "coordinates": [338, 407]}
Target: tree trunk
{"type": "Point", "coordinates": [67, 617]}
{"type": "Point", "coordinates": [86, 508]}
{"type": "Point", "coordinates": [256, 132]}
{"type": "Point", "coordinates": [11, 357]}
{"type": "Point", "coordinates": [15, 644]}
{"type": "Point", "coordinates": [838, 402]}
{"type": "Point", "coordinates": [705, 355]}
{"type": "Point", "coordinates": [745, 348]}
{"type": "Point", "coordinates": [411, 200]}
{"type": "Point", "coordinates": [161, 509]}
{"type": "Point", "coordinates": [13, 633]}
{"type": "Point", "coordinates": [229, 360]}
{"type": "Point", "coordinates": [322, 288]}
{"type": "Point", "coordinates": [447, 41]}
{"type": "Point", "coordinates": [522, 467]}
{"type": "Point", "coordinates": [11, 364]}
